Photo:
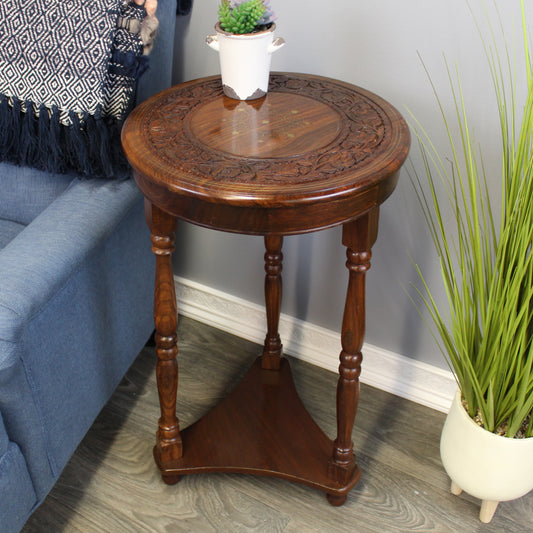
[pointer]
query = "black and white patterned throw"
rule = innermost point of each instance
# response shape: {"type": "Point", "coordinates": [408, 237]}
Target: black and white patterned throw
{"type": "Point", "coordinates": [68, 70]}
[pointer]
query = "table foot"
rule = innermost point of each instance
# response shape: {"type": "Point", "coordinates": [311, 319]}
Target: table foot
{"type": "Point", "coordinates": [337, 499]}
{"type": "Point", "coordinates": [170, 479]}
{"type": "Point", "coordinates": [262, 428]}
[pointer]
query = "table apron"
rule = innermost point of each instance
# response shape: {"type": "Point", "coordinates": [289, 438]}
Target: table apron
{"type": "Point", "coordinates": [253, 219]}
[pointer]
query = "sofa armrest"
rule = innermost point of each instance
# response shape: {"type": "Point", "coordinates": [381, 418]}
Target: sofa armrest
{"type": "Point", "coordinates": [40, 260]}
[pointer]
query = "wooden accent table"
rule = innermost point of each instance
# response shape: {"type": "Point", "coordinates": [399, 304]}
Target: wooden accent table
{"type": "Point", "coordinates": [312, 154]}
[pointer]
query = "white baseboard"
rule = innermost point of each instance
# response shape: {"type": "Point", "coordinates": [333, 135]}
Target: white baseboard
{"type": "Point", "coordinates": [419, 382]}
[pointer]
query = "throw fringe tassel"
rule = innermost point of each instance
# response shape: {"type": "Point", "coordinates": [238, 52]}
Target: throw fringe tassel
{"type": "Point", "coordinates": [55, 158]}
{"type": "Point", "coordinates": [76, 149]}
{"type": "Point", "coordinates": [9, 127]}
{"type": "Point", "coordinates": [90, 146]}
{"type": "Point", "coordinates": [43, 135]}
{"type": "Point", "coordinates": [28, 147]}
{"type": "Point", "coordinates": [128, 64]}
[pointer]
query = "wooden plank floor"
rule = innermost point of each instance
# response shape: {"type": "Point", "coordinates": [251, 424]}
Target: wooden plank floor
{"type": "Point", "coordinates": [112, 485]}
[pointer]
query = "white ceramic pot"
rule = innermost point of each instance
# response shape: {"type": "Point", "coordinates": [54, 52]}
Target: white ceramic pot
{"type": "Point", "coordinates": [245, 61]}
{"type": "Point", "coordinates": [487, 466]}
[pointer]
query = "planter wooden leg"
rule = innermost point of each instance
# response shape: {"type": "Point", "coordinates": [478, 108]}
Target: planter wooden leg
{"type": "Point", "coordinates": [488, 508]}
{"type": "Point", "coordinates": [456, 489]}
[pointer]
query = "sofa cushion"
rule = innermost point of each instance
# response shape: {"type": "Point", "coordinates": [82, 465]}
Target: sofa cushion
{"type": "Point", "coordinates": [25, 192]}
{"type": "Point", "coordinates": [8, 231]}
{"type": "Point", "coordinates": [82, 218]}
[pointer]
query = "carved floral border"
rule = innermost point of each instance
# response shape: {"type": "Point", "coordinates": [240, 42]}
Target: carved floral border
{"type": "Point", "coordinates": [363, 134]}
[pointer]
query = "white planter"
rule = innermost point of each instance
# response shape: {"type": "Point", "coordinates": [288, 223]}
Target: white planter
{"type": "Point", "coordinates": [245, 61]}
{"type": "Point", "coordinates": [487, 466]}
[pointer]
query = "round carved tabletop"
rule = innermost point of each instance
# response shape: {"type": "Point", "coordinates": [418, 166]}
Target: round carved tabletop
{"type": "Point", "coordinates": [313, 153]}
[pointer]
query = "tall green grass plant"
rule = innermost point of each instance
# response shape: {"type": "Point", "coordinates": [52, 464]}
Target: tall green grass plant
{"type": "Point", "coordinates": [485, 330]}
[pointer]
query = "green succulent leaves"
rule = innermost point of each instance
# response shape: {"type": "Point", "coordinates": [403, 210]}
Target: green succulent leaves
{"type": "Point", "coordinates": [242, 18]}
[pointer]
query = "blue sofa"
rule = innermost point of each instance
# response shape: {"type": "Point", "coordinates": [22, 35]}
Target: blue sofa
{"type": "Point", "coordinates": [76, 296]}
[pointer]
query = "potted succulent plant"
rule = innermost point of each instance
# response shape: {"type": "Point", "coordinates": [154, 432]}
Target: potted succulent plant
{"type": "Point", "coordinates": [485, 330]}
{"type": "Point", "coordinates": [245, 41]}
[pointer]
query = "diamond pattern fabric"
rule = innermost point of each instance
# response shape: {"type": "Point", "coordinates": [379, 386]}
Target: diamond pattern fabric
{"type": "Point", "coordinates": [49, 53]}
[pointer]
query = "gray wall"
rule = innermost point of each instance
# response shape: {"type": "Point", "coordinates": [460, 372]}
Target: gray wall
{"type": "Point", "coordinates": [375, 45]}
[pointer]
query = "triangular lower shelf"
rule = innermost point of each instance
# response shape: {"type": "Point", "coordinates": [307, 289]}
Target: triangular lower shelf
{"type": "Point", "coordinates": [261, 428]}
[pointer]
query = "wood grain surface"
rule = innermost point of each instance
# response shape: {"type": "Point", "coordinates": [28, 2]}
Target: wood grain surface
{"type": "Point", "coordinates": [112, 485]}
{"type": "Point", "coordinates": [312, 154]}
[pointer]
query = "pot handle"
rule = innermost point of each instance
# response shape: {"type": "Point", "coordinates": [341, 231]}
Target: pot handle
{"type": "Point", "coordinates": [276, 45]}
{"type": "Point", "coordinates": [212, 42]}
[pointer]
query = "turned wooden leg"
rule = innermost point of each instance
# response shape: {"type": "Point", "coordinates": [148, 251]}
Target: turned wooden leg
{"type": "Point", "coordinates": [271, 358]}
{"type": "Point", "coordinates": [163, 228]}
{"type": "Point", "coordinates": [358, 237]}
{"type": "Point", "coordinates": [488, 508]}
